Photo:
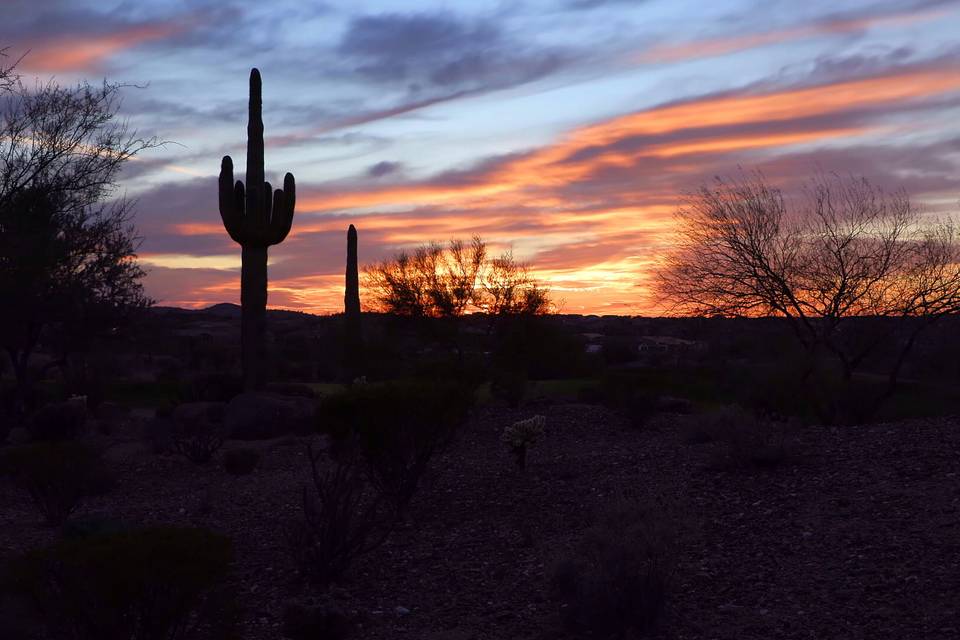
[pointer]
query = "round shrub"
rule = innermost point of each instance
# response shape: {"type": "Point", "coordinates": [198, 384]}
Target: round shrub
{"type": "Point", "coordinates": [58, 476]}
{"type": "Point", "coordinates": [58, 421]}
{"type": "Point", "coordinates": [153, 583]}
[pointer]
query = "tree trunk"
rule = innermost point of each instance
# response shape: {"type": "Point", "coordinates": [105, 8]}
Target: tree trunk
{"type": "Point", "coordinates": [253, 319]}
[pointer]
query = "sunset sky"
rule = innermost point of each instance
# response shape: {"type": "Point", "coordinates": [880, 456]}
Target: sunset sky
{"type": "Point", "coordinates": [566, 130]}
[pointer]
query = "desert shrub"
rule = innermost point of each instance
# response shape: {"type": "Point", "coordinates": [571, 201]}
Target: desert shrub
{"type": "Point", "coordinates": [198, 434]}
{"type": "Point", "coordinates": [240, 462]}
{"type": "Point", "coordinates": [343, 518]}
{"type": "Point", "coordinates": [626, 393]}
{"type": "Point", "coordinates": [509, 386]}
{"type": "Point", "coordinates": [291, 389]}
{"type": "Point", "coordinates": [541, 347]}
{"type": "Point", "coordinates": [210, 387]}
{"type": "Point", "coordinates": [325, 621]}
{"type": "Point", "coordinates": [58, 421]}
{"type": "Point", "coordinates": [617, 579]}
{"type": "Point", "coordinates": [398, 428]}
{"type": "Point", "coordinates": [149, 584]}
{"type": "Point", "coordinates": [619, 349]}
{"type": "Point", "coordinates": [744, 440]}
{"type": "Point", "coordinates": [197, 442]}
{"type": "Point", "coordinates": [58, 476]}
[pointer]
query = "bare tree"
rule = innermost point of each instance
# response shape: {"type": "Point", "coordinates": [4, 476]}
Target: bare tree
{"type": "Point", "coordinates": [8, 75]}
{"type": "Point", "coordinates": [442, 282]}
{"type": "Point", "coordinates": [510, 289]}
{"type": "Point", "coordinates": [845, 249]}
{"type": "Point", "coordinates": [431, 281]}
{"type": "Point", "coordinates": [67, 247]}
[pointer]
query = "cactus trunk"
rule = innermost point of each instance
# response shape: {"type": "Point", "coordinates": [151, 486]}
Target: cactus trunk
{"type": "Point", "coordinates": [253, 317]}
{"type": "Point", "coordinates": [256, 217]}
{"type": "Point", "coordinates": [351, 307]}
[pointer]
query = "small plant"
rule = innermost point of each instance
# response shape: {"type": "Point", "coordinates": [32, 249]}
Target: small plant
{"type": "Point", "coordinates": [241, 462]}
{"type": "Point", "coordinates": [616, 581]}
{"type": "Point", "coordinates": [343, 518]}
{"type": "Point", "coordinates": [197, 444]}
{"type": "Point", "coordinates": [58, 476]}
{"type": "Point", "coordinates": [523, 434]}
{"type": "Point", "coordinates": [200, 436]}
{"type": "Point", "coordinates": [154, 583]}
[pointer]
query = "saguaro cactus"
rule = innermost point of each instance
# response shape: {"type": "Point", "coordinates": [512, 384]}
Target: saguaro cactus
{"type": "Point", "coordinates": [255, 217]}
{"type": "Point", "coordinates": [351, 307]}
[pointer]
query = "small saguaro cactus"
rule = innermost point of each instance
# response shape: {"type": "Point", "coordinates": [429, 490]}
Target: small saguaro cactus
{"type": "Point", "coordinates": [351, 308]}
{"type": "Point", "coordinates": [255, 217]}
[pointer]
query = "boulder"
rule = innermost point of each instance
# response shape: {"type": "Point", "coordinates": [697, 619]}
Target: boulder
{"type": "Point", "coordinates": [261, 416]}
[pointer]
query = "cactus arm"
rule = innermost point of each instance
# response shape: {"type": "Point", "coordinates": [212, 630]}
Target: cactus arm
{"type": "Point", "coordinates": [283, 203]}
{"type": "Point", "coordinates": [230, 213]}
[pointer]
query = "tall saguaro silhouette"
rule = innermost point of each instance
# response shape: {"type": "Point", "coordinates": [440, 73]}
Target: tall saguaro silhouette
{"type": "Point", "coordinates": [351, 307]}
{"type": "Point", "coordinates": [255, 217]}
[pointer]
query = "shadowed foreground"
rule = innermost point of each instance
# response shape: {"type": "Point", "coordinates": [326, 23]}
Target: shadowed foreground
{"type": "Point", "coordinates": [855, 534]}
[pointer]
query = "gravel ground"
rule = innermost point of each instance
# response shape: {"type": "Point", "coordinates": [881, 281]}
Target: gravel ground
{"type": "Point", "coordinates": [856, 535]}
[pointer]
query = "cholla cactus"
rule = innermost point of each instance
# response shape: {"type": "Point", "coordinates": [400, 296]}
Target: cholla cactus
{"type": "Point", "coordinates": [522, 434]}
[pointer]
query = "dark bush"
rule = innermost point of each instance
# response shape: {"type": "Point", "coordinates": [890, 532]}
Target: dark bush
{"type": "Point", "coordinates": [291, 389]}
{"type": "Point", "coordinates": [198, 430]}
{"type": "Point", "coordinates": [619, 349]}
{"type": "Point", "coordinates": [743, 439]}
{"type": "Point", "coordinates": [343, 518]}
{"type": "Point", "coordinates": [240, 462]}
{"type": "Point", "coordinates": [398, 426]}
{"type": "Point", "coordinates": [509, 386]}
{"type": "Point", "coordinates": [616, 581]}
{"type": "Point", "coordinates": [623, 391]}
{"type": "Point", "coordinates": [150, 584]}
{"type": "Point", "coordinates": [58, 476]}
{"type": "Point", "coordinates": [322, 622]}
{"type": "Point", "coordinates": [210, 387]}
{"type": "Point", "coordinates": [58, 421]}
{"type": "Point", "coordinates": [541, 347]}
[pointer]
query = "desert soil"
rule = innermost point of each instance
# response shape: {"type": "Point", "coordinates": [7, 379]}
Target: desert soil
{"type": "Point", "coordinates": [857, 535]}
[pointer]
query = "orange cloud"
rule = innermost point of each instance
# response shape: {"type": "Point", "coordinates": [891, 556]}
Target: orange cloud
{"type": "Point", "coordinates": [78, 53]}
{"type": "Point", "coordinates": [721, 46]}
{"type": "Point", "coordinates": [553, 166]}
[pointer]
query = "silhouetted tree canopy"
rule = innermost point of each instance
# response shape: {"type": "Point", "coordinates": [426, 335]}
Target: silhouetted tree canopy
{"type": "Point", "coordinates": [438, 281]}
{"type": "Point", "coordinates": [842, 249]}
{"type": "Point", "coordinates": [67, 245]}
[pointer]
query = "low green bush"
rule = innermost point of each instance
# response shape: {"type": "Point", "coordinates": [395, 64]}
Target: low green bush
{"type": "Point", "coordinates": [743, 439]}
{"type": "Point", "coordinates": [152, 584]}
{"type": "Point", "coordinates": [617, 579]}
{"type": "Point", "coordinates": [58, 476]}
{"type": "Point", "coordinates": [58, 421]}
{"type": "Point", "coordinates": [398, 427]}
